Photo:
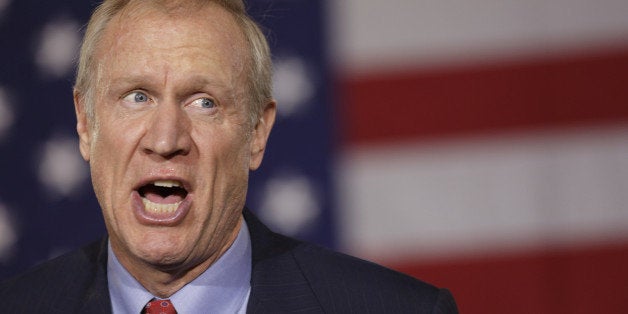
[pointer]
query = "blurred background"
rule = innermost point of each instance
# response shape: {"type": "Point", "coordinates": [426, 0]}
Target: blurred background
{"type": "Point", "coordinates": [479, 145]}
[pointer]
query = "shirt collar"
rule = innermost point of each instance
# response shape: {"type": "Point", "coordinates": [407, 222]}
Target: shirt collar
{"type": "Point", "coordinates": [224, 287]}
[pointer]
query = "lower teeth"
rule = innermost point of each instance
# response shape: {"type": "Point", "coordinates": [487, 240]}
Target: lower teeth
{"type": "Point", "coordinates": [159, 208]}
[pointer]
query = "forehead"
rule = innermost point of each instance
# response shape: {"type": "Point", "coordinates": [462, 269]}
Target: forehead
{"type": "Point", "coordinates": [146, 36]}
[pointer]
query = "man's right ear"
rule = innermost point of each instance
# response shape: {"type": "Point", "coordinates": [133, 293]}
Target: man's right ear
{"type": "Point", "coordinates": [82, 125]}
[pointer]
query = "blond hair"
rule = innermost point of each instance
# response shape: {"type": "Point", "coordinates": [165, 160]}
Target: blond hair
{"type": "Point", "coordinates": [259, 78]}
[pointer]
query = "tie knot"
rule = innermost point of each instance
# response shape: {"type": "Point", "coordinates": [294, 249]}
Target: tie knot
{"type": "Point", "coordinates": [159, 307]}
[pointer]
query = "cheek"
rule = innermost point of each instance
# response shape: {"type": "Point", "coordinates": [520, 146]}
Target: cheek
{"type": "Point", "coordinates": [102, 153]}
{"type": "Point", "coordinates": [238, 155]}
{"type": "Point", "coordinates": [225, 167]}
{"type": "Point", "coordinates": [107, 153]}
{"type": "Point", "coordinates": [114, 139]}
{"type": "Point", "coordinates": [223, 144]}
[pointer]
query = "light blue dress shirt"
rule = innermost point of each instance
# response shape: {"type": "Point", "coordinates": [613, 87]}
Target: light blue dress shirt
{"type": "Point", "coordinates": [223, 288]}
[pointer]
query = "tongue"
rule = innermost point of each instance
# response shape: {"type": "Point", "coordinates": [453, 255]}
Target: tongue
{"type": "Point", "coordinates": [159, 199]}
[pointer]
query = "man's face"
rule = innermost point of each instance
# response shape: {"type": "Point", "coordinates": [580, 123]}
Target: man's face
{"type": "Point", "coordinates": [171, 147]}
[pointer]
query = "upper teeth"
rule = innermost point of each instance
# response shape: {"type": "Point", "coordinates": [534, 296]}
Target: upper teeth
{"type": "Point", "coordinates": [167, 183]}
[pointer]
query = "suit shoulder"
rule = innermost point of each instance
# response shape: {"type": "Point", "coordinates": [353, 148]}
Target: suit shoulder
{"type": "Point", "coordinates": [337, 278]}
{"type": "Point", "coordinates": [355, 270]}
{"type": "Point", "coordinates": [67, 275]}
{"type": "Point", "coordinates": [61, 268]}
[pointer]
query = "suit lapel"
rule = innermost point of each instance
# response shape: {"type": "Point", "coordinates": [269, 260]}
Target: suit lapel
{"type": "Point", "coordinates": [96, 298]}
{"type": "Point", "coordinates": [277, 283]}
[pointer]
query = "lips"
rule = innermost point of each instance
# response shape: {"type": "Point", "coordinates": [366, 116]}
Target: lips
{"type": "Point", "coordinates": [161, 201]}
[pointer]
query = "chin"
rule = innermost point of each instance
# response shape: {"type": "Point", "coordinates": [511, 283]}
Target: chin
{"type": "Point", "coordinates": [163, 260]}
{"type": "Point", "coordinates": [160, 251]}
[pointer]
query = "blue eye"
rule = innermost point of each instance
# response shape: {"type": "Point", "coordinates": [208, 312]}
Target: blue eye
{"type": "Point", "coordinates": [204, 103]}
{"type": "Point", "coordinates": [136, 97]}
{"type": "Point", "coordinates": [140, 97]}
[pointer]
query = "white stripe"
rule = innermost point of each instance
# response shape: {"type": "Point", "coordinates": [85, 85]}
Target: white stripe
{"type": "Point", "coordinates": [501, 192]}
{"type": "Point", "coordinates": [370, 35]}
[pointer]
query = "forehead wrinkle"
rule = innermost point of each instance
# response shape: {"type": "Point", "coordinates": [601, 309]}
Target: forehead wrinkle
{"type": "Point", "coordinates": [231, 55]}
{"type": "Point", "coordinates": [169, 16]}
{"type": "Point", "coordinates": [166, 73]}
{"type": "Point", "coordinates": [219, 27]}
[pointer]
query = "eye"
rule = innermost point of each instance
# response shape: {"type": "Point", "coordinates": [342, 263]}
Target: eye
{"type": "Point", "coordinates": [136, 97]}
{"type": "Point", "coordinates": [204, 103]}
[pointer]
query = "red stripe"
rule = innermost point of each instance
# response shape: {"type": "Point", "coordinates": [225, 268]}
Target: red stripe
{"type": "Point", "coordinates": [416, 104]}
{"type": "Point", "coordinates": [593, 280]}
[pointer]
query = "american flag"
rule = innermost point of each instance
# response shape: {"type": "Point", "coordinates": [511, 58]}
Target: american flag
{"type": "Point", "coordinates": [479, 145]}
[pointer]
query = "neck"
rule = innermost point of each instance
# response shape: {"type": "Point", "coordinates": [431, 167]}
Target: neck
{"type": "Point", "coordinates": [164, 283]}
{"type": "Point", "coordinates": [165, 280]}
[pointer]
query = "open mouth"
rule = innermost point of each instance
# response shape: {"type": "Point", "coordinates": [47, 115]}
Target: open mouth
{"type": "Point", "coordinates": [162, 196]}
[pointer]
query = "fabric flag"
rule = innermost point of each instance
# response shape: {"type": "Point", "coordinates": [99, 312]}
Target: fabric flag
{"type": "Point", "coordinates": [485, 148]}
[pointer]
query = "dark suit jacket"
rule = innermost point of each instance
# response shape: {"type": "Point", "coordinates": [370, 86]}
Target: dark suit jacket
{"type": "Point", "coordinates": [288, 276]}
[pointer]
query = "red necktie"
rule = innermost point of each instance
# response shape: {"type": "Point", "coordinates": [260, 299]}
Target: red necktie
{"type": "Point", "coordinates": [159, 307]}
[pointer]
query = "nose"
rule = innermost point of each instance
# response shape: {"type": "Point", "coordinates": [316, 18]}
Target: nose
{"type": "Point", "coordinates": [168, 131]}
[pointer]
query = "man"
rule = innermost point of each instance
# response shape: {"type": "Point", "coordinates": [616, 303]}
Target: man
{"type": "Point", "coordinates": [174, 108]}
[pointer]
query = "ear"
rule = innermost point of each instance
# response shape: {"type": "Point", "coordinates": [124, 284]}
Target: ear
{"type": "Point", "coordinates": [82, 126]}
{"type": "Point", "coordinates": [261, 133]}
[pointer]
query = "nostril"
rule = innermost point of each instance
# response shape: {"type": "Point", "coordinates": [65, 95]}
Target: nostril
{"type": "Point", "coordinates": [165, 154]}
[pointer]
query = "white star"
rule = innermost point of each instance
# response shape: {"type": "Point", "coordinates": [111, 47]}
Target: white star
{"type": "Point", "coordinates": [7, 234]}
{"type": "Point", "coordinates": [293, 85]}
{"type": "Point", "coordinates": [59, 44]}
{"type": "Point", "coordinates": [61, 169]}
{"type": "Point", "coordinates": [3, 5]}
{"type": "Point", "coordinates": [6, 113]}
{"type": "Point", "coordinates": [290, 204]}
